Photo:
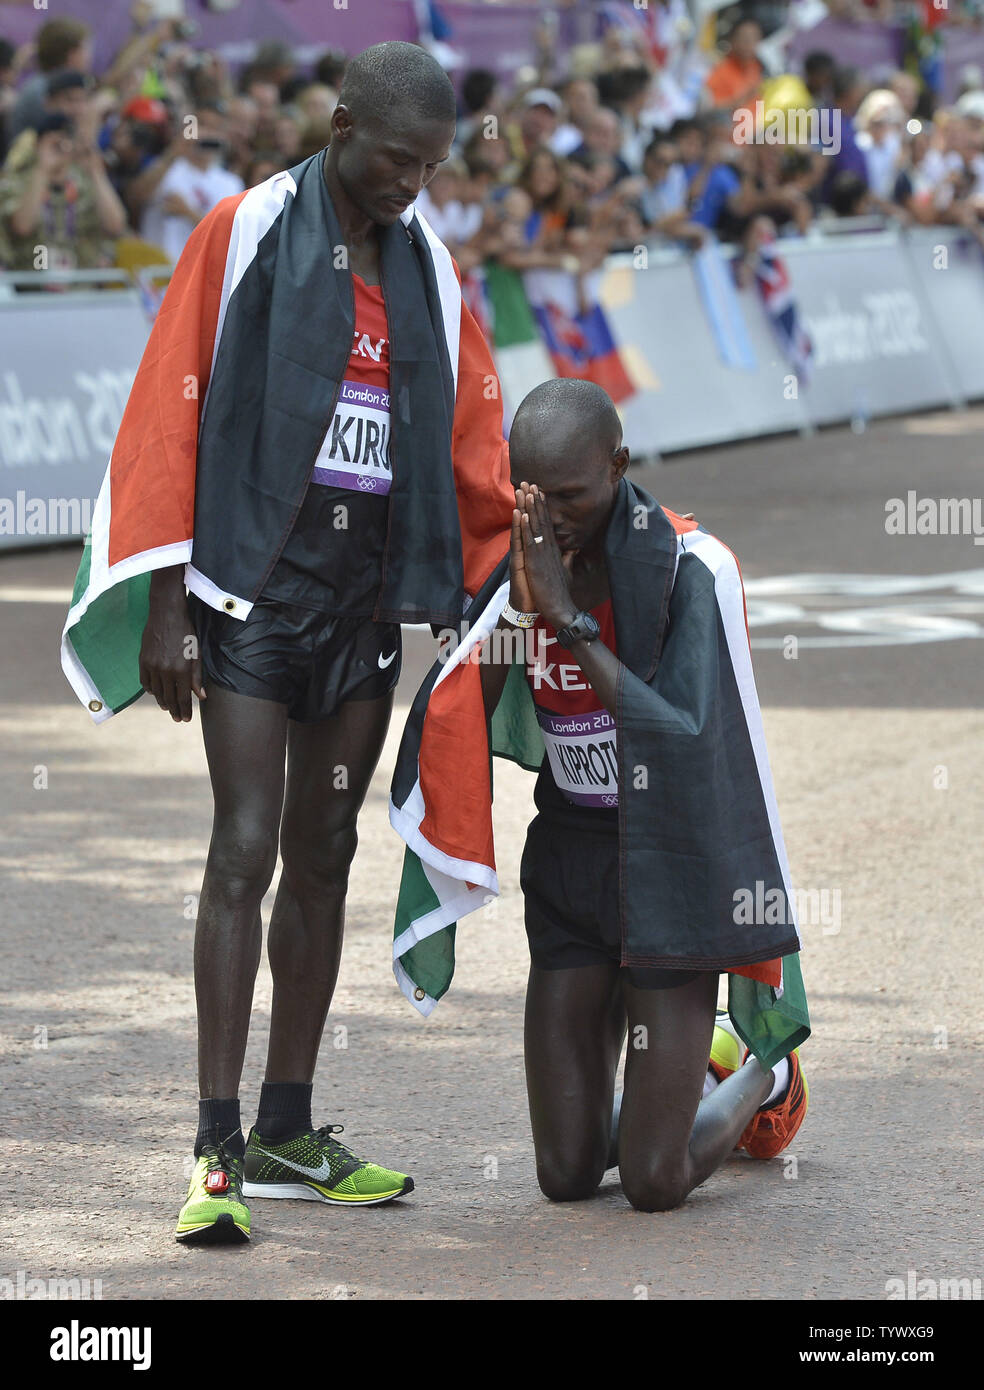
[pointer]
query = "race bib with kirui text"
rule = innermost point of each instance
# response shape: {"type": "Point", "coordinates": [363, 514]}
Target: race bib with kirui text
{"type": "Point", "coordinates": [356, 450]}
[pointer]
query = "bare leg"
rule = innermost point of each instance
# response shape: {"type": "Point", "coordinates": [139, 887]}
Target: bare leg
{"type": "Point", "coordinates": [329, 768]}
{"type": "Point", "coordinates": [575, 1022]}
{"type": "Point", "coordinates": [245, 744]}
{"type": "Point", "coordinates": [669, 1140]}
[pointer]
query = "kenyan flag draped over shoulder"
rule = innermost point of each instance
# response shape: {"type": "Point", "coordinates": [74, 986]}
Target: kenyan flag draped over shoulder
{"type": "Point", "coordinates": [225, 414]}
{"type": "Point", "coordinates": [441, 806]}
{"type": "Point", "coordinates": [144, 514]}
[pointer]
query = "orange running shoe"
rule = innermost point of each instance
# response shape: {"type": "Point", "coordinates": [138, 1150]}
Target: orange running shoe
{"type": "Point", "coordinates": [773, 1130]}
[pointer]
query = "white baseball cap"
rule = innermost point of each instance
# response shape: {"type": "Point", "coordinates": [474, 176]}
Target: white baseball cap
{"type": "Point", "coordinates": [971, 104]}
{"type": "Point", "coordinates": [543, 96]}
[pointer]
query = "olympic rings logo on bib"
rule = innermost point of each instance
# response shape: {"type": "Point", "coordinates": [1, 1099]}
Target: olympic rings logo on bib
{"type": "Point", "coordinates": [582, 754]}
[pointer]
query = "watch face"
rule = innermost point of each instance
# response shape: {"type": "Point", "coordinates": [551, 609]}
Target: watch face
{"type": "Point", "coordinates": [583, 628]}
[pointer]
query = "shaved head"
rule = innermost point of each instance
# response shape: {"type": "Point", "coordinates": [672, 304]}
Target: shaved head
{"type": "Point", "coordinates": [396, 83]}
{"type": "Point", "coordinates": [564, 418]}
{"type": "Point", "coordinates": [566, 438]}
{"type": "Point", "coordinates": [391, 129]}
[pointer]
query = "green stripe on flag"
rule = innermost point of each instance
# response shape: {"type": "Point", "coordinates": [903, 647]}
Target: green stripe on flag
{"type": "Point", "coordinates": [512, 318]}
{"type": "Point", "coordinates": [521, 358]}
{"type": "Point", "coordinates": [771, 1027]}
{"type": "Point", "coordinates": [429, 964]}
{"type": "Point", "coordinates": [106, 639]}
{"type": "Point", "coordinates": [515, 732]}
{"type": "Point", "coordinates": [82, 578]}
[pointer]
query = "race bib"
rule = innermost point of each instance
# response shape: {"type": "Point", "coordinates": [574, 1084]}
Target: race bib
{"type": "Point", "coordinates": [581, 752]}
{"type": "Point", "coordinates": [356, 451]}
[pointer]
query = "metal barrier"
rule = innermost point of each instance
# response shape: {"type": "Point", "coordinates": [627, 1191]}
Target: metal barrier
{"type": "Point", "coordinates": [39, 281]}
{"type": "Point", "coordinates": [68, 355]}
{"type": "Point", "coordinates": [896, 319]}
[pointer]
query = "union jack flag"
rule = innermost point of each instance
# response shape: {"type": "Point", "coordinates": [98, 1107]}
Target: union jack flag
{"type": "Point", "coordinates": [772, 279]}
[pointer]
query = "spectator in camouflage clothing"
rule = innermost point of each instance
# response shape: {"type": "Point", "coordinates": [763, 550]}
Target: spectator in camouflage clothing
{"type": "Point", "coordinates": [58, 209]}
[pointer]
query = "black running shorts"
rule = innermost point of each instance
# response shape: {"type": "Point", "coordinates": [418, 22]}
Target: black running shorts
{"type": "Point", "coordinates": [569, 878]}
{"type": "Point", "coordinates": [309, 661]}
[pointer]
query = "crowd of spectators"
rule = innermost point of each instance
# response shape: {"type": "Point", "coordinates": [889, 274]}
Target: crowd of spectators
{"type": "Point", "coordinates": [632, 139]}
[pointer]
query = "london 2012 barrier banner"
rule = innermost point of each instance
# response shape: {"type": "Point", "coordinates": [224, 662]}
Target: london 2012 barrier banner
{"type": "Point", "coordinates": [894, 323]}
{"type": "Point", "coordinates": [67, 362]}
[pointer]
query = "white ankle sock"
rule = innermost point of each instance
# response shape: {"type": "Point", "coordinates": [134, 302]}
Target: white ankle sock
{"type": "Point", "coordinates": [781, 1073]}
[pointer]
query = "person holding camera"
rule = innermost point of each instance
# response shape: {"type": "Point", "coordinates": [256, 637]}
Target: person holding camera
{"type": "Point", "coordinates": [193, 182]}
{"type": "Point", "coordinates": [58, 208]}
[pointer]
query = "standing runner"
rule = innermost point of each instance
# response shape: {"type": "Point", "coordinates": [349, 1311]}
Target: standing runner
{"type": "Point", "coordinates": [634, 698]}
{"type": "Point", "coordinates": [313, 447]}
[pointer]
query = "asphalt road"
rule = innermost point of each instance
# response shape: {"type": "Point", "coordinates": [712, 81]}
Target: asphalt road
{"type": "Point", "coordinates": [868, 660]}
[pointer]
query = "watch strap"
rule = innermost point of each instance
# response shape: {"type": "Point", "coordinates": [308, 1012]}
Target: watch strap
{"type": "Point", "coordinates": [585, 627]}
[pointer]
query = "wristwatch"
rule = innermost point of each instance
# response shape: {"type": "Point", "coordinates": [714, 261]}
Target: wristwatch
{"type": "Point", "coordinates": [584, 628]}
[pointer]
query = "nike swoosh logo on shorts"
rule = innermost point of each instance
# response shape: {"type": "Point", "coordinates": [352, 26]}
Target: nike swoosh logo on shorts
{"type": "Point", "coordinates": [384, 662]}
{"type": "Point", "coordinates": [319, 1174]}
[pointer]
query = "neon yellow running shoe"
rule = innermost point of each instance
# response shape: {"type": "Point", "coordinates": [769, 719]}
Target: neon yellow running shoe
{"type": "Point", "coordinates": [727, 1049]}
{"type": "Point", "coordinates": [214, 1212]}
{"type": "Point", "coordinates": [315, 1167]}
